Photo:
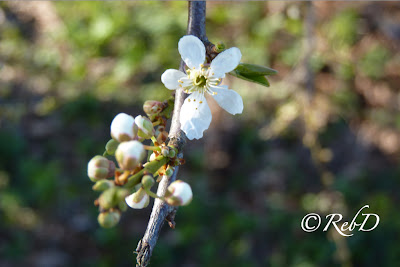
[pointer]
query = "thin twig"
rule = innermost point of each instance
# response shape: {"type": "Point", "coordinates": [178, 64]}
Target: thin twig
{"type": "Point", "coordinates": [161, 210]}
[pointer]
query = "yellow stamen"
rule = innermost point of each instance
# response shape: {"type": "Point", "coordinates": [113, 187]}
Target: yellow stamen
{"type": "Point", "coordinates": [201, 102]}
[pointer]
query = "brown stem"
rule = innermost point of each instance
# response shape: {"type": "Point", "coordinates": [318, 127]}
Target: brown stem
{"type": "Point", "coordinates": [161, 210]}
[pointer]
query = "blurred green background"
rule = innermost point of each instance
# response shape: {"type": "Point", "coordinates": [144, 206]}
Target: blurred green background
{"type": "Point", "coordinates": [324, 138]}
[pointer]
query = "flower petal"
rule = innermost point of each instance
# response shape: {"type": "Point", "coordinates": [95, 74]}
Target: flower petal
{"type": "Point", "coordinates": [228, 99]}
{"type": "Point", "coordinates": [225, 62]}
{"type": "Point", "coordinates": [195, 116]}
{"type": "Point", "coordinates": [192, 51]}
{"type": "Point", "coordinates": [171, 77]}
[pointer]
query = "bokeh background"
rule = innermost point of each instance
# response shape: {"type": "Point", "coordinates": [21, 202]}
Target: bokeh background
{"type": "Point", "coordinates": [324, 138]}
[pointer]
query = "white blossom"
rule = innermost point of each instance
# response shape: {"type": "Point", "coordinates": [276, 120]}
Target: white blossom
{"type": "Point", "coordinates": [195, 116]}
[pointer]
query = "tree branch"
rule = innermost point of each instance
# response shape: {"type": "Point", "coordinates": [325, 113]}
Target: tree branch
{"type": "Point", "coordinates": [161, 210]}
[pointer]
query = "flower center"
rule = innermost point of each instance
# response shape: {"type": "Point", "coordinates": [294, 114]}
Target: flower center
{"type": "Point", "coordinates": [200, 80]}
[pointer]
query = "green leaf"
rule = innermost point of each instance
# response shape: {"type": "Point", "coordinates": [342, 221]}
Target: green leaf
{"type": "Point", "coordinates": [255, 79]}
{"type": "Point", "coordinates": [246, 69]}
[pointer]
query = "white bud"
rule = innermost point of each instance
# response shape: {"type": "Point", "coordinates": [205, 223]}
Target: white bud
{"type": "Point", "coordinates": [145, 126]}
{"type": "Point", "coordinates": [123, 128]}
{"type": "Point", "coordinates": [178, 193]}
{"type": "Point", "coordinates": [138, 200]}
{"type": "Point", "coordinates": [130, 154]}
{"type": "Point", "coordinates": [100, 168]}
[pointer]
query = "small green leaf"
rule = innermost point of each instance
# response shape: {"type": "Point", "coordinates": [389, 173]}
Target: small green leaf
{"type": "Point", "coordinates": [254, 70]}
{"type": "Point", "coordinates": [255, 79]}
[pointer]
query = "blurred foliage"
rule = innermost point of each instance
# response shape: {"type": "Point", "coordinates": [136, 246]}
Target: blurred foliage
{"type": "Point", "coordinates": [324, 137]}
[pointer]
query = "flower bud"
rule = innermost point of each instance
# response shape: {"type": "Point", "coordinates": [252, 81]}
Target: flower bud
{"type": "Point", "coordinates": [172, 152]}
{"type": "Point", "coordinates": [152, 107]}
{"type": "Point", "coordinates": [123, 128]}
{"type": "Point", "coordinates": [178, 193]}
{"type": "Point", "coordinates": [112, 197]}
{"type": "Point", "coordinates": [109, 219]}
{"type": "Point", "coordinates": [169, 171]}
{"type": "Point", "coordinates": [122, 206]}
{"type": "Point", "coordinates": [111, 146]}
{"type": "Point", "coordinates": [146, 129]}
{"type": "Point", "coordinates": [138, 200]}
{"type": "Point", "coordinates": [165, 151]}
{"type": "Point", "coordinates": [107, 199]}
{"type": "Point", "coordinates": [121, 194]}
{"type": "Point", "coordinates": [147, 181]}
{"type": "Point", "coordinates": [103, 185]}
{"type": "Point", "coordinates": [99, 168]}
{"type": "Point", "coordinates": [130, 154]}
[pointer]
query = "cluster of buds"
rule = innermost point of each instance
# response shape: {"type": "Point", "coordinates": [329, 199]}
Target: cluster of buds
{"type": "Point", "coordinates": [133, 178]}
